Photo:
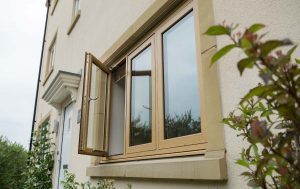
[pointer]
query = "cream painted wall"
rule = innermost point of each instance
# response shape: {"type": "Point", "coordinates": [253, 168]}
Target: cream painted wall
{"type": "Point", "coordinates": [103, 21]}
{"type": "Point", "coordinates": [282, 18]}
{"type": "Point", "coordinates": [100, 25]}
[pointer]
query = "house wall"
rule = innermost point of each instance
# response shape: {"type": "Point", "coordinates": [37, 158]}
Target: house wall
{"type": "Point", "coordinates": [102, 22]}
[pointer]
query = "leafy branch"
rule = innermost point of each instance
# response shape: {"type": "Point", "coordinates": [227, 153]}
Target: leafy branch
{"type": "Point", "coordinates": [268, 116]}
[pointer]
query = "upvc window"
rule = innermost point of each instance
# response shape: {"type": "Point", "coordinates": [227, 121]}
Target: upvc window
{"type": "Point", "coordinates": [149, 103]}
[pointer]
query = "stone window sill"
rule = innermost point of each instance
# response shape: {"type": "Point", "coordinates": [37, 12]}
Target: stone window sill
{"type": "Point", "coordinates": [195, 168]}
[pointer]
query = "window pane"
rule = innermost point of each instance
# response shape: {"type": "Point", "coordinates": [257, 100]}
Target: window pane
{"type": "Point", "coordinates": [181, 96]}
{"type": "Point", "coordinates": [76, 6]}
{"type": "Point", "coordinates": [117, 116]}
{"type": "Point", "coordinates": [52, 55]}
{"type": "Point", "coordinates": [141, 110]}
{"type": "Point", "coordinates": [97, 109]}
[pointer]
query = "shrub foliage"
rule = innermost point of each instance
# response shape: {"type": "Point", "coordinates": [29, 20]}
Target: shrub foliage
{"type": "Point", "coordinates": [268, 116]}
{"type": "Point", "coordinates": [40, 165]}
{"type": "Point", "coordinates": [13, 158]}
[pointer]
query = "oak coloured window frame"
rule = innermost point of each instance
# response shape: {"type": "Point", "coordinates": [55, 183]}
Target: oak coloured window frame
{"type": "Point", "coordinates": [181, 146]}
{"type": "Point", "coordinates": [198, 138]}
{"type": "Point", "coordinates": [98, 148]}
{"type": "Point", "coordinates": [147, 146]}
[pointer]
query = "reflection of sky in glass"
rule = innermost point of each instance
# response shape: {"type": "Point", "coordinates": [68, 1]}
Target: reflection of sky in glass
{"type": "Point", "coordinates": [141, 86]}
{"type": "Point", "coordinates": [180, 69]}
{"type": "Point", "coordinates": [141, 97]}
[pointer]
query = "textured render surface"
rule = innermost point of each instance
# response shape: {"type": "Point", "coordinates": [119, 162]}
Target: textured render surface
{"type": "Point", "coordinates": [102, 22]}
{"type": "Point", "coordinates": [283, 20]}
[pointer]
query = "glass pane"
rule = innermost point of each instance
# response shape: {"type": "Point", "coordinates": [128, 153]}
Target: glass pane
{"type": "Point", "coordinates": [117, 112]}
{"type": "Point", "coordinates": [52, 55]}
{"type": "Point", "coordinates": [76, 6]}
{"type": "Point", "coordinates": [141, 110]}
{"type": "Point", "coordinates": [97, 109]}
{"type": "Point", "coordinates": [181, 96]}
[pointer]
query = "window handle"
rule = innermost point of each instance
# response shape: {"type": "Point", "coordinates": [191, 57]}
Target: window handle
{"type": "Point", "coordinates": [148, 108]}
{"type": "Point", "coordinates": [90, 99]}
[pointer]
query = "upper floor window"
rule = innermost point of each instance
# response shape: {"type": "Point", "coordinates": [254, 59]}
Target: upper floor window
{"type": "Point", "coordinates": [76, 7]}
{"type": "Point", "coordinates": [53, 5]}
{"type": "Point", "coordinates": [148, 103]}
{"type": "Point", "coordinates": [50, 58]}
{"type": "Point", "coordinates": [52, 54]}
{"type": "Point", "coordinates": [75, 15]}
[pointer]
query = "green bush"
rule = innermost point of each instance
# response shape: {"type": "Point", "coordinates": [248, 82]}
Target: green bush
{"type": "Point", "coordinates": [268, 117]}
{"type": "Point", "coordinates": [40, 165]}
{"type": "Point", "coordinates": [69, 182]}
{"type": "Point", "coordinates": [13, 159]}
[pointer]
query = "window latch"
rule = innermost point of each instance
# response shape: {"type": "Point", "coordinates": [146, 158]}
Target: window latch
{"type": "Point", "coordinates": [90, 99]}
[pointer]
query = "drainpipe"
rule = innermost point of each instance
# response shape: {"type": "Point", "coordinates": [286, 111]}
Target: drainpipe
{"type": "Point", "coordinates": [39, 76]}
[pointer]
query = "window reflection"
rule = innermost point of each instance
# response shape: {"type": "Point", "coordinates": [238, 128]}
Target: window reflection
{"type": "Point", "coordinates": [181, 94]}
{"type": "Point", "coordinates": [141, 110]}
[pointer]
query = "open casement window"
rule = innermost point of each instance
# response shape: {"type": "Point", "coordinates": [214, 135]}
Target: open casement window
{"type": "Point", "coordinates": [93, 127]}
{"type": "Point", "coordinates": [157, 99]}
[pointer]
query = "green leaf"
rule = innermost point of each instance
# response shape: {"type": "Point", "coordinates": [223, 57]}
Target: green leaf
{"type": "Point", "coordinates": [221, 53]}
{"type": "Point", "coordinates": [257, 91]}
{"type": "Point", "coordinates": [242, 163]}
{"type": "Point", "coordinates": [297, 61]}
{"type": "Point", "coordinates": [245, 43]}
{"type": "Point", "coordinates": [255, 27]}
{"type": "Point", "coordinates": [246, 174]}
{"type": "Point", "coordinates": [252, 183]}
{"type": "Point", "coordinates": [245, 63]}
{"type": "Point", "coordinates": [217, 30]}
{"type": "Point", "coordinates": [269, 46]}
{"type": "Point", "coordinates": [291, 51]}
{"type": "Point", "coordinates": [255, 150]}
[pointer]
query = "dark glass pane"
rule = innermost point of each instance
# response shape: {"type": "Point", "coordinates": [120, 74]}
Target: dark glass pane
{"type": "Point", "coordinates": [140, 128]}
{"type": "Point", "coordinates": [181, 96]}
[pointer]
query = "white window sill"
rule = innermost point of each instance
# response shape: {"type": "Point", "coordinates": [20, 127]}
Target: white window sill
{"type": "Point", "coordinates": [195, 168]}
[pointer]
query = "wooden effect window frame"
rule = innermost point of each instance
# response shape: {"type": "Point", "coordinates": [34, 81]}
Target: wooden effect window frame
{"type": "Point", "coordinates": [198, 138]}
{"type": "Point", "coordinates": [83, 135]}
{"type": "Point", "coordinates": [180, 146]}
{"type": "Point", "coordinates": [146, 146]}
{"type": "Point", "coordinates": [194, 144]}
